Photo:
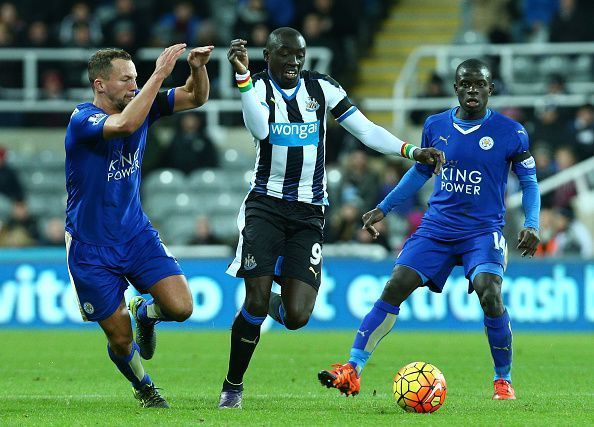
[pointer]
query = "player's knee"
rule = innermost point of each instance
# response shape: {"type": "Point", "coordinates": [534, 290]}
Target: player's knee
{"type": "Point", "coordinates": [296, 320]}
{"type": "Point", "coordinates": [121, 343]}
{"type": "Point", "coordinates": [491, 302]}
{"type": "Point", "coordinates": [183, 311]}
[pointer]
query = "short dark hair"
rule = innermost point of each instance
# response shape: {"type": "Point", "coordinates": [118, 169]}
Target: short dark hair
{"type": "Point", "coordinates": [475, 64]}
{"type": "Point", "coordinates": [100, 62]}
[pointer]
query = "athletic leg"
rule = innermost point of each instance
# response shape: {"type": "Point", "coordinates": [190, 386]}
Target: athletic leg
{"type": "Point", "coordinates": [374, 327]}
{"type": "Point", "coordinates": [498, 330]}
{"type": "Point", "coordinates": [124, 353]}
{"type": "Point", "coordinates": [296, 303]}
{"type": "Point", "coordinates": [245, 334]}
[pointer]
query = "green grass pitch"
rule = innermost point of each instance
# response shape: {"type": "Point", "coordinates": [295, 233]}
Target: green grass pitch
{"type": "Point", "coordinates": [65, 378]}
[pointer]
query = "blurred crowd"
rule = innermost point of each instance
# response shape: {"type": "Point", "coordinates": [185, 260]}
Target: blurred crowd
{"type": "Point", "coordinates": [358, 178]}
{"type": "Point", "coordinates": [134, 24]}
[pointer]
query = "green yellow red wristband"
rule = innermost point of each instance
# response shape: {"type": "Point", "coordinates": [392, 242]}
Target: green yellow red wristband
{"type": "Point", "coordinates": [244, 84]}
{"type": "Point", "coordinates": [407, 151]}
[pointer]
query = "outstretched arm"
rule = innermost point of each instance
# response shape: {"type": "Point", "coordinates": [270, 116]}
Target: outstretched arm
{"type": "Point", "coordinates": [381, 140]}
{"type": "Point", "coordinates": [528, 238]}
{"type": "Point", "coordinates": [195, 92]}
{"type": "Point", "coordinates": [411, 182]}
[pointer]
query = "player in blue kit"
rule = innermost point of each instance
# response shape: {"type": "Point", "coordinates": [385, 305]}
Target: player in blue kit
{"type": "Point", "coordinates": [110, 242]}
{"type": "Point", "coordinates": [462, 225]}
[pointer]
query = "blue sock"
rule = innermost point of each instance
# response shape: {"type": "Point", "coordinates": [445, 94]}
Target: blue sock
{"type": "Point", "coordinates": [131, 366]}
{"type": "Point", "coordinates": [142, 314]}
{"type": "Point", "coordinates": [499, 334]}
{"type": "Point", "coordinates": [375, 326]}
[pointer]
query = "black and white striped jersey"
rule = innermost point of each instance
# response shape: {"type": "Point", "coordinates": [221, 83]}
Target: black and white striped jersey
{"type": "Point", "coordinates": [290, 162]}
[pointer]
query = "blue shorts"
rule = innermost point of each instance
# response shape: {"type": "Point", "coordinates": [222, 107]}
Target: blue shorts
{"type": "Point", "coordinates": [101, 274]}
{"type": "Point", "coordinates": [435, 259]}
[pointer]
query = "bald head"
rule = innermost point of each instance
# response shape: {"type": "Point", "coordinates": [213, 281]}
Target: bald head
{"type": "Point", "coordinates": [278, 36]}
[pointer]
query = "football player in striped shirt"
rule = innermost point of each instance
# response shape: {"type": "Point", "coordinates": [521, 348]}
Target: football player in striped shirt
{"type": "Point", "coordinates": [463, 224]}
{"type": "Point", "coordinates": [281, 221]}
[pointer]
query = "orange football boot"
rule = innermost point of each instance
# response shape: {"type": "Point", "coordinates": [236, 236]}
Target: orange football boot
{"type": "Point", "coordinates": [503, 390]}
{"type": "Point", "coordinates": [343, 377]}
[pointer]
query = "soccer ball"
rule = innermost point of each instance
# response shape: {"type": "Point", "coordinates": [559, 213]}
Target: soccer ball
{"type": "Point", "coordinates": [419, 387]}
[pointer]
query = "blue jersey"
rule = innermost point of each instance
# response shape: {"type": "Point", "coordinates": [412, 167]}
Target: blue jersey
{"type": "Point", "coordinates": [468, 197]}
{"type": "Point", "coordinates": [103, 176]}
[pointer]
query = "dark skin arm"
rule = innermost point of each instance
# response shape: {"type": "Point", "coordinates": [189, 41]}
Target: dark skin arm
{"type": "Point", "coordinates": [430, 156]}
{"type": "Point", "coordinates": [528, 241]}
{"type": "Point", "coordinates": [370, 218]}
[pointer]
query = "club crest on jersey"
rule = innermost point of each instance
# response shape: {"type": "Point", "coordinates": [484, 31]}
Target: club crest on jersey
{"type": "Point", "coordinates": [249, 262]}
{"type": "Point", "coordinates": [486, 143]}
{"type": "Point", "coordinates": [311, 104]}
{"type": "Point", "coordinates": [88, 308]}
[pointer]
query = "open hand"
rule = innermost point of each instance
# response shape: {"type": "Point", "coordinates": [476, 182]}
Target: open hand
{"type": "Point", "coordinates": [167, 59]}
{"type": "Point", "coordinates": [370, 218]}
{"type": "Point", "coordinates": [238, 56]}
{"type": "Point", "coordinates": [199, 56]}
{"type": "Point", "coordinates": [431, 156]}
{"type": "Point", "coordinates": [528, 241]}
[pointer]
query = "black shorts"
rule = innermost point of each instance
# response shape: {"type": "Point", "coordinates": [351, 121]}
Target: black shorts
{"type": "Point", "coordinates": [279, 238]}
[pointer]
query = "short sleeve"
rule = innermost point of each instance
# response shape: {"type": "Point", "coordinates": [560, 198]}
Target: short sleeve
{"type": "Point", "coordinates": [87, 125]}
{"type": "Point", "coordinates": [522, 161]}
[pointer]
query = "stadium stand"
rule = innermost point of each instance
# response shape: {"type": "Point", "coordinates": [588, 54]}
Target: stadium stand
{"type": "Point", "coordinates": [391, 65]}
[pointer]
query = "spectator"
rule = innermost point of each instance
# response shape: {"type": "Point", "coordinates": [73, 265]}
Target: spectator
{"type": "Point", "coordinates": [537, 16]}
{"type": "Point", "coordinates": [191, 147]}
{"type": "Point", "coordinates": [9, 16]}
{"type": "Point", "coordinates": [548, 245]}
{"type": "Point", "coordinates": [10, 184]}
{"type": "Point", "coordinates": [53, 232]}
{"type": "Point", "coordinates": [564, 159]}
{"type": "Point", "coordinates": [250, 14]}
{"type": "Point", "coordinates": [178, 26]}
{"type": "Point", "coordinates": [433, 89]}
{"type": "Point", "coordinates": [203, 234]}
{"type": "Point", "coordinates": [360, 184]}
{"type": "Point", "coordinates": [125, 28]}
{"type": "Point", "coordinates": [549, 128]}
{"type": "Point", "coordinates": [38, 36]}
{"type": "Point", "coordinates": [545, 168]}
{"type": "Point", "coordinates": [79, 20]}
{"type": "Point", "coordinates": [583, 130]}
{"type": "Point", "coordinates": [570, 24]}
{"type": "Point", "coordinates": [573, 237]}
{"type": "Point", "coordinates": [344, 223]}
{"type": "Point", "coordinates": [21, 228]}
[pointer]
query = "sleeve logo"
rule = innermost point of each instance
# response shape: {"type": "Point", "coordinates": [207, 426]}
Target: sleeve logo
{"type": "Point", "coordinates": [529, 163]}
{"type": "Point", "coordinates": [95, 119]}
